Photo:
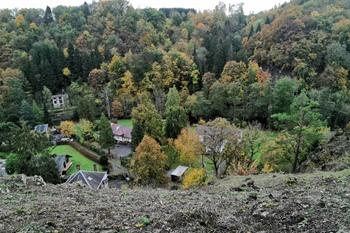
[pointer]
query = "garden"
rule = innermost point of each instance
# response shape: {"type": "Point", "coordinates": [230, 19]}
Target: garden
{"type": "Point", "coordinates": [76, 157]}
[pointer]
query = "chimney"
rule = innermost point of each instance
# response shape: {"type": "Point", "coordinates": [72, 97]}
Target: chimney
{"type": "Point", "coordinates": [78, 166]}
{"type": "Point", "coordinates": [95, 167]}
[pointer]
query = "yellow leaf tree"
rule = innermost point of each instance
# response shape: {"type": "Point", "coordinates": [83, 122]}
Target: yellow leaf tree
{"type": "Point", "coordinates": [189, 147]}
{"type": "Point", "coordinates": [195, 177]}
{"type": "Point", "coordinates": [150, 162]}
{"type": "Point", "coordinates": [67, 128]}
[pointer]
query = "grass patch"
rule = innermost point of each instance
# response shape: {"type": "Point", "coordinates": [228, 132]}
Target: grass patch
{"type": "Point", "coordinates": [125, 122]}
{"type": "Point", "coordinates": [76, 157]}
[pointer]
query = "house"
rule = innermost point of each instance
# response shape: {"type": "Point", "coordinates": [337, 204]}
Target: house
{"type": "Point", "coordinates": [178, 173]}
{"type": "Point", "coordinates": [2, 168]}
{"type": "Point", "coordinates": [42, 129]}
{"type": "Point", "coordinates": [60, 101]}
{"type": "Point", "coordinates": [62, 164]}
{"type": "Point", "coordinates": [92, 179]}
{"type": "Point", "coordinates": [121, 134]}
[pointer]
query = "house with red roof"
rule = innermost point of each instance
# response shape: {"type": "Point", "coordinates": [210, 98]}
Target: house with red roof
{"type": "Point", "coordinates": [121, 133]}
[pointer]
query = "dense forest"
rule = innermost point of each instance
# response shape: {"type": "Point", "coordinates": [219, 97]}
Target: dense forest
{"type": "Point", "coordinates": [269, 68]}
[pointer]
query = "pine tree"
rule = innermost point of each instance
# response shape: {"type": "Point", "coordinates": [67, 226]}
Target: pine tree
{"type": "Point", "coordinates": [26, 112]}
{"type": "Point", "coordinates": [48, 18]}
{"type": "Point", "coordinates": [176, 118]}
{"type": "Point", "coordinates": [106, 139]}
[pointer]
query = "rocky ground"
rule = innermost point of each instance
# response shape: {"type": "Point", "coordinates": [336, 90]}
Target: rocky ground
{"type": "Point", "coordinates": [317, 202]}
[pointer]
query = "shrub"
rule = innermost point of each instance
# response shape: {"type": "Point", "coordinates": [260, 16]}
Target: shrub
{"type": "Point", "coordinates": [194, 178]}
{"type": "Point", "coordinates": [13, 164]}
{"type": "Point", "coordinates": [45, 167]}
{"type": "Point", "coordinates": [104, 161]}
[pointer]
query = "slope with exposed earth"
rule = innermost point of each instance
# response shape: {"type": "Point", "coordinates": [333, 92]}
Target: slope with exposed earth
{"type": "Point", "coordinates": [317, 202]}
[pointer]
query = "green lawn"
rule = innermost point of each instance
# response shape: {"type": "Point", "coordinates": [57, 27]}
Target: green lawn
{"type": "Point", "coordinates": [85, 163]}
{"type": "Point", "coordinates": [125, 122]}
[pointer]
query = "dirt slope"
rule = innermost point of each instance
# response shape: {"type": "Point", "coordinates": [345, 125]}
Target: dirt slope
{"type": "Point", "coordinates": [318, 202]}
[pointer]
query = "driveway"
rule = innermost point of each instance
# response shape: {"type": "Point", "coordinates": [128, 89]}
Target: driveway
{"type": "Point", "coordinates": [121, 151]}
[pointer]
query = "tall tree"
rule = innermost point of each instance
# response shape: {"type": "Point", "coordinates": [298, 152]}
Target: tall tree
{"type": "Point", "coordinates": [106, 139]}
{"type": "Point", "coordinates": [303, 126]}
{"type": "Point", "coordinates": [147, 120]}
{"type": "Point", "coordinates": [48, 18]}
{"type": "Point", "coordinates": [176, 118]}
{"type": "Point", "coordinates": [150, 162]}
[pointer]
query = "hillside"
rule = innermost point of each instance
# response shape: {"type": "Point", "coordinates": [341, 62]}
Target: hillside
{"type": "Point", "coordinates": [316, 202]}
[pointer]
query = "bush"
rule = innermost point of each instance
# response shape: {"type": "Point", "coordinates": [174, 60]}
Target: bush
{"type": "Point", "coordinates": [104, 161]}
{"type": "Point", "coordinates": [13, 164]}
{"type": "Point", "coordinates": [194, 178]}
{"type": "Point", "coordinates": [45, 167]}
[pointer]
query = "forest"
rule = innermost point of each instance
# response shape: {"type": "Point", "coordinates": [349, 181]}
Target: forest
{"type": "Point", "coordinates": [281, 75]}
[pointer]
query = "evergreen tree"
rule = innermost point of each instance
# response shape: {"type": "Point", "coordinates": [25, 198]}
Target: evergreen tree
{"type": "Point", "coordinates": [48, 18]}
{"type": "Point", "coordinates": [303, 127]}
{"type": "Point", "coordinates": [176, 118]}
{"type": "Point", "coordinates": [38, 113]}
{"type": "Point", "coordinates": [106, 139]}
{"type": "Point", "coordinates": [136, 135]}
{"type": "Point", "coordinates": [26, 112]}
{"type": "Point", "coordinates": [149, 121]}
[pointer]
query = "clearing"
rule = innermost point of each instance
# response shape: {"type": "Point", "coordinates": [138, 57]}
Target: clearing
{"type": "Point", "coordinates": [316, 202]}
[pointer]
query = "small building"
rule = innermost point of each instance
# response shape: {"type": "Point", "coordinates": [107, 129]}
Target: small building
{"type": "Point", "coordinates": [42, 129]}
{"type": "Point", "coordinates": [178, 173]}
{"type": "Point", "coordinates": [60, 101]}
{"type": "Point", "coordinates": [94, 180]}
{"type": "Point", "coordinates": [62, 164]}
{"type": "Point", "coordinates": [121, 134]}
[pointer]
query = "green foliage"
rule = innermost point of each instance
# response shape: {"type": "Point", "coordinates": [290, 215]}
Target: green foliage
{"type": "Point", "coordinates": [13, 164]}
{"type": "Point", "coordinates": [283, 95]}
{"type": "Point", "coordinates": [45, 167]}
{"type": "Point", "coordinates": [304, 127]}
{"type": "Point", "coordinates": [146, 121]}
{"type": "Point", "coordinates": [106, 138]}
{"type": "Point", "coordinates": [175, 114]}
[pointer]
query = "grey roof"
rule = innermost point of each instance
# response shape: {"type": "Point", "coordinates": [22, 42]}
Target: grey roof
{"type": "Point", "coordinates": [179, 171]}
{"type": "Point", "coordinates": [60, 159]}
{"type": "Point", "coordinates": [91, 179]}
{"type": "Point", "coordinates": [41, 128]}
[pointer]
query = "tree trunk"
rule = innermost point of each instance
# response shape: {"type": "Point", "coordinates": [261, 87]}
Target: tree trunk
{"type": "Point", "coordinates": [297, 153]}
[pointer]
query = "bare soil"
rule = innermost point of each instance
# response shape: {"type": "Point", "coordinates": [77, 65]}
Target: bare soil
{"type": "Point", "coordinates": [317, 202]}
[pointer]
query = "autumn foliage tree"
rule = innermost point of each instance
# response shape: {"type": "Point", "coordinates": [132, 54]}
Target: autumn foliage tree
{"type": "Point", "coordinates": [150, 162]}
{"type": "Point", "coordinates": [67, 128]}
{"type": "Point", "coordinates": [189, 147]}
{"type": "Point", "coordinates": [194, 178]}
